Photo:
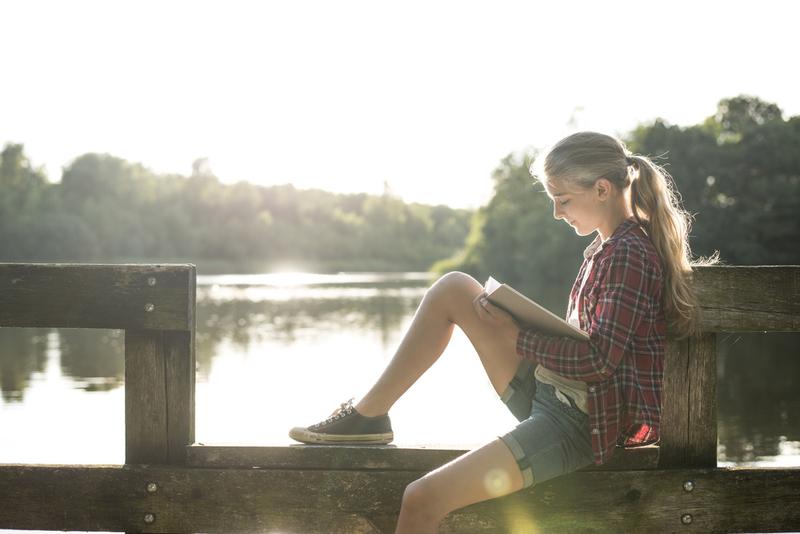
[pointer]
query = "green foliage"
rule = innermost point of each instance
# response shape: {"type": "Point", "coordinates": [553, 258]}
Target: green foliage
{"type": "Point", "coordinates": [516, 240]}
{"type": "Point", "coordinates": [107, 209]}
{"type": "Point", "coordinates": [738, 173]}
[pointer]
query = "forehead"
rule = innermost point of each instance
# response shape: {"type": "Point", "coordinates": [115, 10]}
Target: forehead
{"type": "Point", "coordinates": [554, 190]}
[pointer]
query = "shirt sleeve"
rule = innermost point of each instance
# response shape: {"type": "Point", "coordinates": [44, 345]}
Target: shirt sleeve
{"type": "Point", "coordinates": [623, 302]}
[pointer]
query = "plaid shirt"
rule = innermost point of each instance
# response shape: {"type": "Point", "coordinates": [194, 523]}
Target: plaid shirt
{"type": "Point", "coordinates": [623, 362]}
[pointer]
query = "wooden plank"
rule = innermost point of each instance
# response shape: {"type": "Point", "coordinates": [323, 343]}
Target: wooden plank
{"type": "Point", "coordinates": [180, 381]}
{"type": "Point", "coordinates": [97, 296]}
{"type": "Point", "coordinates": [115, 498]}
{"type": "Point", "coordinates": [749, 299]}
{"type": "Point", "coordinates": [145, 398]}
{"type": "Point", "coordinates": [366, 458]}
{"type": "Point", "coordinates": [701, 448]}
{"type": "Point", "coordinates": [734, 299]}
{"type": "Point", "coordinates": [674, 413]}
{"type": "Point", "coordinates": [159, 396]}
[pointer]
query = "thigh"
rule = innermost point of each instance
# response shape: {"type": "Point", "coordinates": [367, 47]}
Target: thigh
{"type": "Point", "coordinates": [484, 473]}
{"type": "Point", "coordinates": [498, 354]}
{"type": "Point", "coordinates": [520, 392]}
{"type": "Point", "coordinates": [553, 441]}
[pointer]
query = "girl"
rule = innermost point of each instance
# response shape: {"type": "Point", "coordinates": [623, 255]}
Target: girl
{"type": "Point", "coordinates": [575, 400]}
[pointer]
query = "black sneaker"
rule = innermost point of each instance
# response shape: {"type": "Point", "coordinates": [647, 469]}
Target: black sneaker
{"type": "Point", "coordinates": [346, 426]}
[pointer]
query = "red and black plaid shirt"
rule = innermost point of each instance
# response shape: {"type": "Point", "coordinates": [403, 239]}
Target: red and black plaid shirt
{"type": "Point", "coordinates": [621, 309]}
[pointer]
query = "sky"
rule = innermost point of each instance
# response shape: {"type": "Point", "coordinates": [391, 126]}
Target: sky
{"type": "Point", "coordinates": [347, 96]}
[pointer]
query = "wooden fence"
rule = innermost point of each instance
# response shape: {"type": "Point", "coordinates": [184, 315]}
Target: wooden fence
{"type": "Point", "coordinates": [171, 484]}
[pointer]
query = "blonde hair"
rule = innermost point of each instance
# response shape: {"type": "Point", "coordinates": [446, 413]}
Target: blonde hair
{"type": "Point", "coordinates": [580, 159]}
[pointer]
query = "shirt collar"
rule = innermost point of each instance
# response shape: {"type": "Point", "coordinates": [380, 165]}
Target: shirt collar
{"type": "Point", "coordinates": [599, 244]}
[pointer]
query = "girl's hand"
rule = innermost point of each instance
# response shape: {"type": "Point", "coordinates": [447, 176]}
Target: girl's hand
{"type": "Point", "coordinates": [497, 317]}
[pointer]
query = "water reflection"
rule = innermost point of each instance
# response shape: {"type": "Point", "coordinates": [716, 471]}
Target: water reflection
{"type": "Point", "coordinates": [256, 333]}
{"type": "Point", "coordinates": [242, 316]}
{"type": "Point", "coordinates": [22, 353]}
{"type": "Point", "coordinates": [758, 400]}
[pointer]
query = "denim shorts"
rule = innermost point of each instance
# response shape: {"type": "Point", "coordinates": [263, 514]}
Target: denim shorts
{"type": "Point", "coordinates": [552, 438]}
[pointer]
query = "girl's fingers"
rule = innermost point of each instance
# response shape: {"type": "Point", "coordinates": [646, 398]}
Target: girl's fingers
{"type": "Point", "coordinates": [493, 310]}
{"type": "Point", "coordinates": [480, 304]}
{"type": "Point", "coordinates": [498, 314]}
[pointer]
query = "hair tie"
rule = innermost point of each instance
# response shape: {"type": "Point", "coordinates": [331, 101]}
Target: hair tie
{"type": "Point", "coordinates": [630, 161]}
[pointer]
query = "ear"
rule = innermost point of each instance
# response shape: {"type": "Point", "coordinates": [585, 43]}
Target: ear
{"type": "Point", "coordinates": [602, 188]}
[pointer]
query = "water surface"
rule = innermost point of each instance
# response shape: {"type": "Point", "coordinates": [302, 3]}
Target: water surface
{"type": "Point", "coordinates": [279, 350]}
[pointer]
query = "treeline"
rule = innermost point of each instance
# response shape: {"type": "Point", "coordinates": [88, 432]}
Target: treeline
{"type": "Point", "coordinates": [738, 173]}
{"type": "Point", "coordinates": [106, 209]}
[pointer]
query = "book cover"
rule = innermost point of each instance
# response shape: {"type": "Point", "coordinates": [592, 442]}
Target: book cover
{"type": "Point", "coordinates": [528, 312]}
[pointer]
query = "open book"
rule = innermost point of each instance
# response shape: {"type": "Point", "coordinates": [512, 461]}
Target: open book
{"type": "Point", "coordinates": [529, 313]}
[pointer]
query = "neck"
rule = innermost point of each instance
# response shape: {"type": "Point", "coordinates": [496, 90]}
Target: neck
{"type": "Point", "coordinates": [607, 230]}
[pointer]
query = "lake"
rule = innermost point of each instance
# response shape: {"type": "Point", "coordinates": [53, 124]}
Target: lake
{"type": "Point", "coordinates": [280, 350]}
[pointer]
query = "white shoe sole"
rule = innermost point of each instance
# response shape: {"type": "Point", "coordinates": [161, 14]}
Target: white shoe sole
{"type": "Point", "coordinates": [306, 436]}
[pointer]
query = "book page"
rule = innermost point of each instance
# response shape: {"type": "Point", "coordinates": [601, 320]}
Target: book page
{"type": "Point", "coordinates": [491, 285]}
{"type": "Point", "coordinates": [529, 312]}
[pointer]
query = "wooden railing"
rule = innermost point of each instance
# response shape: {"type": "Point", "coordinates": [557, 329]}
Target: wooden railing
{"type": "Point", "coordinates": [171, 484]}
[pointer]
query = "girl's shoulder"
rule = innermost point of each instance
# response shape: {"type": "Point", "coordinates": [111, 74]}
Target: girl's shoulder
{"type": "Point", "coordinates": [634, 249]}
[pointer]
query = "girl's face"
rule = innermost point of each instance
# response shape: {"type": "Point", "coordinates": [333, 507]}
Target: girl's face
{"type": "Point", "coordinates": [583, 209]}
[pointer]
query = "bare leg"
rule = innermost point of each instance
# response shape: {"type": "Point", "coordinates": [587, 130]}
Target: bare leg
{"type": "Point", "coordinates": [447, 303]}
{"type": "Point", "coordinates": [484, 473]}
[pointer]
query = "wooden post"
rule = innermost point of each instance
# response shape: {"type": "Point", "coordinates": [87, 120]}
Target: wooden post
{"type": "Point", "coordinates": [159, 387]}
{"type": "Point", "coordinates": [689, 416]}
{"type": "Point", "coordinates": [145, 398]}
{"type": "Point", "coordinates": [674, 431]}
{"type": "Point", "coordinates": [159, 396]}
{"type": "Point", "coordinates": [701, 446]}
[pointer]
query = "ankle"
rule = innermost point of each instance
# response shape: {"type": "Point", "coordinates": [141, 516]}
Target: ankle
{"type": "Point", "coordinates": [368, 411]}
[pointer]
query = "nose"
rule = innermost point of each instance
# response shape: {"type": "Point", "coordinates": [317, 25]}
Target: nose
{"type": "Point", "coordinates": [556, 212]}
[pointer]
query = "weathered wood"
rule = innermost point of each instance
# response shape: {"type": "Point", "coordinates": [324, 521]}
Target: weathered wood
{"type": "Point", "coordinates": [307, 488]}
{"type": "Point", "coordinates": [159, 396]}
{"type": "Point", "coordinates": [749, 299]}
{"type": "Point", "coordinates": [373, 457]}
{"type": "Point", "coordinates": [733, 299]}
{"type": "Point", "coordinates": [675, 408]}
{"type": "Point", "coordinates": [180, 381]}
{"type": "Point", "coordinates": [145, 398]}
{"type": "Point", "coordinates": [97, 296]}
{"type": "Point", "coordinates": [701, 420]}
{"type": "Point", "coordinates": [688, 419]}
{"type": "Point", "coordinates": [115, 498]}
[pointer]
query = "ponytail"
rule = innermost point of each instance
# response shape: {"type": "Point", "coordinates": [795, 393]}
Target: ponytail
{"type": "Point", "coordinates": [579, 159]}
{"type": "Point", "coordinates": [656, 205]}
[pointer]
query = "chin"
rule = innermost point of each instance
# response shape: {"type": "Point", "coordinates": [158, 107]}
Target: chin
{"type": "Point", "coordinates": [581, 232]}
{"type": "Point", "coordinates": [580, 229]}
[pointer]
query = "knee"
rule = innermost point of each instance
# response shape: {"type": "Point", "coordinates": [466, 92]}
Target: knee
{"type": "Point", "coordinates": [454, 282]}
{"type": "Point", "coordinates": [420, 503]}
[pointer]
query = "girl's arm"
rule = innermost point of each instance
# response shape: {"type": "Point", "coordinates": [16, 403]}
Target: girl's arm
{"type": "Point", "coordinates": [627, 291]}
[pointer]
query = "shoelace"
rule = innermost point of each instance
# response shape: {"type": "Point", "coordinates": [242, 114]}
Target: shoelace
{"type": "Point", "coordinates": [345, 408]}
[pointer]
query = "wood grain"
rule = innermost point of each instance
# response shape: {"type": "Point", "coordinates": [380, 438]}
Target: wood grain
{"type": "Point", "coordinates": [749, 299]}
{"type": "Point", "coordinates": [115, 498]}
{"type": "Point", "coordinates": [68, 295]}
{"type": "Point", "coordinates": [701, 422]}
{"type": "Point", "coordinates": [370, 458]}
{"type": "Point", "coordinates": [675, 409]}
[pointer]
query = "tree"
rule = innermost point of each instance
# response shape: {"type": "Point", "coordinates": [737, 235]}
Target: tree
{"type": "Point", "coordinates": [738, 175]}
